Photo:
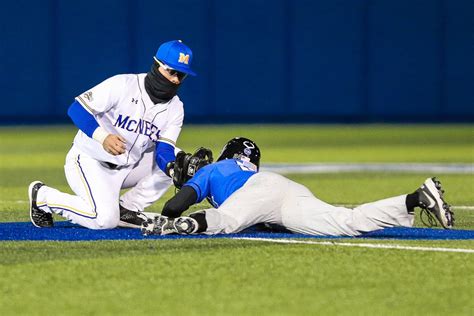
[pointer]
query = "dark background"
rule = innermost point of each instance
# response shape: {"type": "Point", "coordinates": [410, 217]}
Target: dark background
{"type": "Point", "coordinates": [257, 60]}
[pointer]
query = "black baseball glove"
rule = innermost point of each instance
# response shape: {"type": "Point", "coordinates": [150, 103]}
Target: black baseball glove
{"type": "Point", "coordinates": [186, 165]}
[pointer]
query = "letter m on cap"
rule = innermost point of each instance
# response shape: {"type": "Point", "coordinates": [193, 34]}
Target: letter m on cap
{"type": "Point", "coordinates": [184, 59]}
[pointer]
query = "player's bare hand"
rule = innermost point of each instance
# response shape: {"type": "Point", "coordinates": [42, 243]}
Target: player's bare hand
{"type": "Point", "coordinates": [114, 144]}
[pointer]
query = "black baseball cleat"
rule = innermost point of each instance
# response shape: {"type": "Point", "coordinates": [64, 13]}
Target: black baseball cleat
{"type": "Point", "coordinates": [162, 225]}
{"type": "Point", "coordinates": [131, 219]}
{"type": "Point", "coordinates": [185, 225]}
{"type": "Point", "coordinates": [431, 199]}
{"type": "Point", "coordinates": [38, 217]}
{"type": "Point", "coordinates": [155, 226]}
{"type": "Point", "coordinates": [166, 225]}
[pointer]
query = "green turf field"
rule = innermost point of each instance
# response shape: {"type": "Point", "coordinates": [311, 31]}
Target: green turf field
{"type": "Point", "coordinates": [234, 277]}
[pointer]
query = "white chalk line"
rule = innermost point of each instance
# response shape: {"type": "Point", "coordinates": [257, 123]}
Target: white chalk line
{"type": "Point", "coordinates": [360, 245]}
{"type": "Point", "coordinates": [436, 168]}
{"type": "Point", "coordinates": [455, 207]}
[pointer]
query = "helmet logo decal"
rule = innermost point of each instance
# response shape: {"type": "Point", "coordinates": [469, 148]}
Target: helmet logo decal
{"type": "Point", "coordinates": [248, 147]}
{"type": "Point", "coordinates": [248, 144]}
{"type": "Point", "coordinates": [184, 59]}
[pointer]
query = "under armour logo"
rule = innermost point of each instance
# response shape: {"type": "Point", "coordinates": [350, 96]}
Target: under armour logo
{"type": "Point", "coordinates": [134, 100]}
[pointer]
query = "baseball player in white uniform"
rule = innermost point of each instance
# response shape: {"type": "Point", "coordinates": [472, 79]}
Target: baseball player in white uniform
{"type": "Point", "coordinates": [243, 197]}
{"type": "Point", "coordinates": [128, 128]}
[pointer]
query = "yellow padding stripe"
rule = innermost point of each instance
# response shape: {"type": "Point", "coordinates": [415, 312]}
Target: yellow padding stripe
{"type": "Point", "coordinates": [91, 203]}
{"type": "Point", "coordinates": [84, 103]}
{"type": "Point", "coordinates": [75, 210]}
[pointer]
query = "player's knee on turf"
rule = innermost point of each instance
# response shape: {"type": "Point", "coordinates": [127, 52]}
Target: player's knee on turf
{"type": "Point", "coordinates": [108, 221]}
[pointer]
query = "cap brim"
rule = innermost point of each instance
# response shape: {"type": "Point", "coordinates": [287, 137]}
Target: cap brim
{"type": "Point", "coordinates": [187, 71]}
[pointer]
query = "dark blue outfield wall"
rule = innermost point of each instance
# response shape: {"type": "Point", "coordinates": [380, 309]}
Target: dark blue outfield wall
{"type": "Point", "coordinates": [257, 60]}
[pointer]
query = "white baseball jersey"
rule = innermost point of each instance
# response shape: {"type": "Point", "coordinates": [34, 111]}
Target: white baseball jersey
{"type": "Point", "coordinates": [121, 106]}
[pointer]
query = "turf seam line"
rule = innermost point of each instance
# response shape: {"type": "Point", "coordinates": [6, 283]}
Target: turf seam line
{"type": "Point", "coordinates": [361, 245]}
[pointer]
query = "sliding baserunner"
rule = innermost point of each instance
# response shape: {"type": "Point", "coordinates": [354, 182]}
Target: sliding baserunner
{"type": "Point", "coordinates": [243, 197]}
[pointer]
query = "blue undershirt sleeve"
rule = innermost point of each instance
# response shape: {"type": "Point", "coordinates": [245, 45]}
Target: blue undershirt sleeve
{"type": "Point", "coordinates": [164, 153]}
{"type": "Point", "coordinates": [82, 119]}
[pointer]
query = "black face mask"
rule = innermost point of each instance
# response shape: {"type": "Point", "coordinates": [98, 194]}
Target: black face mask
{"type": "Point", "coordinates": [160, 89]}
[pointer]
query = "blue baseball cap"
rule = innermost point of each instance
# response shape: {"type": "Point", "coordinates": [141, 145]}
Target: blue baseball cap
{"type": "Point", "coordinates": [176, 55]}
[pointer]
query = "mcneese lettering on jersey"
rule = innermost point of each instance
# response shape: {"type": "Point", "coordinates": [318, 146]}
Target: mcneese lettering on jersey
{"type": "Point", "coordinates": [136, 126]}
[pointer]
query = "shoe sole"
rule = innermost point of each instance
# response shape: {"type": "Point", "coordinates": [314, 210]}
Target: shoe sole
{"type": "Point", "coordinates": [436, 195]}
{"type": "Point", "coordinates": [147, 228]}
{"type": "Point", "coordinates": [130, 225]}
{"type": "Point", "coordinates": [30, 197]}
{"type": "Point", "coordinates": [127, 225]}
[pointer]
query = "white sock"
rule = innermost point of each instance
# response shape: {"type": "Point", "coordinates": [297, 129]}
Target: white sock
{"type": "Point", "coordinates": [41, 199]}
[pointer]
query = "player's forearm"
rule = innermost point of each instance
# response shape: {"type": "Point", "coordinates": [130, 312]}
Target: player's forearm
{"type": "Point", "coordinates": [82, 119]}
{"type": "Point", "coordinates": [113, 144]}
{"type": "Point", "coordinates": [186, 197]}
{"type": "Point", "coordinates": [164, 155]}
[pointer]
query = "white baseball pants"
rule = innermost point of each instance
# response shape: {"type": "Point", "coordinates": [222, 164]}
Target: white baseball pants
{"type": "Point", "coordinates": [271, 198]}
{"type": "Point", "coordinates": [97, 188]}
